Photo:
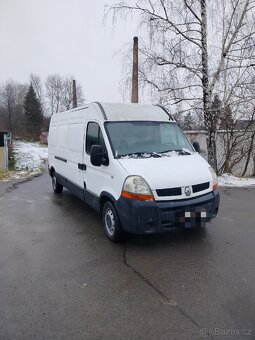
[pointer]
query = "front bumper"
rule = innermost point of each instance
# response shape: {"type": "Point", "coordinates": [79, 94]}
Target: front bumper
{"type": "Point", "coordinates": [147, 217]}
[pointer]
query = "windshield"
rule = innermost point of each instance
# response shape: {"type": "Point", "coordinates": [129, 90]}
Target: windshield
{"type": "Point", "coordinates": [144, 137]}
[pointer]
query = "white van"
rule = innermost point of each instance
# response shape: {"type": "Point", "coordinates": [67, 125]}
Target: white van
{"type": "Point", "coordinates": [134, 165]}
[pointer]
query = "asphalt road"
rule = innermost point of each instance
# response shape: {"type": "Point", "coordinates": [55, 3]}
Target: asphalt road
{"type": "Point", "coordinates": [60, 278]}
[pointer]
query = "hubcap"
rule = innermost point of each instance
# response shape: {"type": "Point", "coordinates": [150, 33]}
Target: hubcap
{"type": "Point", "coordinates": [109, 222]}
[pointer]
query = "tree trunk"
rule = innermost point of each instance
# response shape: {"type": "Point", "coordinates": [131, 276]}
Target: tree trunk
{"type": "Point", "coordinates": [228, 154]}
{"type": "Point", "coordinates": [253, 166]}
{"type": "Point", "coordinates": [208, 114]}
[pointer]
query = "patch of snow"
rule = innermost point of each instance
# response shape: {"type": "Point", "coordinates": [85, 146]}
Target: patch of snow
{"type": "Point", "coordinates": [188, 151]}
{"type": "Point", "coordinates": [149, 155]}
{"type": "Point", "coordinates": [227, 180]}
{"type": "Point", "coordinates": [17, 175]}
{"type": "Point", "coordinates": [29, 159]}
{"type": "Point", "coordinates": [29, 156]}
{"type": "Point", "coordinates": [129, 156]}
{"type": "Point", "coordinates": [170, 154]}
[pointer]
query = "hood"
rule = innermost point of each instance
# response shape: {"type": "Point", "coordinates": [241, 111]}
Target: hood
{"type": "Point", "coordinates": [169, 172]}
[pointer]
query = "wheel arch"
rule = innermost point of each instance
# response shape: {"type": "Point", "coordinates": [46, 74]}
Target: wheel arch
{"type": "Point", "coordinates": [104, 197]}
{"type": "Point", "coordinates": [51, 171]}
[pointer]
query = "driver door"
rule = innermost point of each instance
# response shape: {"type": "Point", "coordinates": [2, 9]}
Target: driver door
{"type": "Point", "coordinates": [95, 177]}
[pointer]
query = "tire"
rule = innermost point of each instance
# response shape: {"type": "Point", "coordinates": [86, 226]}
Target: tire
{"type": "Point", "coordinates": [57, 187]}
{"type": "Point", "coordinates": [111, 222]}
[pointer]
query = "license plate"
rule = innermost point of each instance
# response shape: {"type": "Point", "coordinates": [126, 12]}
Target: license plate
{"type": "Point", "coordinates": [192, 218]}
{"type": "Point", "coordinates": [195, 214]}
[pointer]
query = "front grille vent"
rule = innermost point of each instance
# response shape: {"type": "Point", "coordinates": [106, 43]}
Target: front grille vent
{"type": "Point", "coordinates": [169, 192]}
{"type": "Point", "coordinates": [200, 187]}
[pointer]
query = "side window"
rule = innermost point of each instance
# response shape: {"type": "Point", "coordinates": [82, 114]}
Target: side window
{"type": "Point", "coordinates": [94, 136]}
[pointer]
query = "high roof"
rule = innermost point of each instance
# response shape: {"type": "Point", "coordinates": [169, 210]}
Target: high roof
{"type": "Point", "coordinates": [116, 111]}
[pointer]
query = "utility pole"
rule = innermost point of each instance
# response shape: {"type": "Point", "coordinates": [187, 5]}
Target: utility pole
{"type": "Point", "coordinates": [134, 96]}
{"type": "Point", "coordinates": [74, 94]}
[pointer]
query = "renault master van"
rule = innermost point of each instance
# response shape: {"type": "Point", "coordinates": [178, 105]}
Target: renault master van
{"type": "Point", "coordinates": [134, 165]}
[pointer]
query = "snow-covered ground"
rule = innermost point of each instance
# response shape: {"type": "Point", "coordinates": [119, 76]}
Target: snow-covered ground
{"type": "Point", "coordinates": [29, 160]}
{"type": "Point", "coordinates": [227, 180]}
{"type": "Point", "coordinates": [29, 156]}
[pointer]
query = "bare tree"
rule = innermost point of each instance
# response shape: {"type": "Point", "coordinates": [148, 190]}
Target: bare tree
{"type": "Point", "coordinates": [189, 56]}
{"type": "Point", "coordinates": [237, 124]}
{"type": "Point", "coordinates": [36, 82]}
{"type": "Point", "coordinates": [11, 97]}
{"type": "Point", "coordinates": [67, 98]}
{"type": "Point", "coordinates": [8, 99]}
{"type": "Point", "coordinates": [59, 93]}
{"type": "Point", "coordinates": [4, 122]}
{"type": "Point", "coordinates": [54, 92]}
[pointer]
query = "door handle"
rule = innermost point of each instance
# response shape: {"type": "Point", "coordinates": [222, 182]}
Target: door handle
{"type": "Point", "coordinates": [82, 166]}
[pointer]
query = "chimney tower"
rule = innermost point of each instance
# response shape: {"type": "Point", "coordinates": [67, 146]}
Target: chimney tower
{"type": "Point", "coordinates": [74, 94]}
{"type": "Point", "coordinates": [134, 96]}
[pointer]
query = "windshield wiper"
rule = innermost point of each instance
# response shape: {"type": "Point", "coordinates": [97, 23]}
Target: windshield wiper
{"type": "Point", "coordinates": [156, 154]}
{"type": "Point", "coordinates": [184, 151]}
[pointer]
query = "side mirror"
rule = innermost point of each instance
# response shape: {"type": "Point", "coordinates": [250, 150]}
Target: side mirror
{"type": "Point", "coordinates": [196, 146]}
{"type": "Point", "coordinates": [98, 156]}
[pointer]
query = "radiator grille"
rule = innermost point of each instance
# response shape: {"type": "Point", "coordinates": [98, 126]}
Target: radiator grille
{"type": "Point", "coordinates": [169, 192]}
{"type": "Point", "coordinates": [178, 191]}
{"type": "Point", "coordinates": [200, 187]}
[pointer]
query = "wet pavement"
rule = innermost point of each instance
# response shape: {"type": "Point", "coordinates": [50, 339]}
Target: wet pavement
{"type": "Point", "coordinates": [60, 278]}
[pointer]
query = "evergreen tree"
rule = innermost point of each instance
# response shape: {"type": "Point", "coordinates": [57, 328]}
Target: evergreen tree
{"type": "Point", "coordinates": [227, 121]}
{"type": "Point", "coordinates": [189, 122]}
{"type": "Point", "coordinates": [33, 114]}
{"type": "Point", "coordinates": [216, 111]}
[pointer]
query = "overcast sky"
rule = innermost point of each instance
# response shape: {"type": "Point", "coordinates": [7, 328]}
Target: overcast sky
{"type": "Point", "coordinates": [66, 37]}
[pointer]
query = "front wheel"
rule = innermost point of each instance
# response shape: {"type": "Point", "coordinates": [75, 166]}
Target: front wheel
{"type": "Point", "coordinates": [112, 226]}
{"type": "Point", "coordinates": [57, 187]}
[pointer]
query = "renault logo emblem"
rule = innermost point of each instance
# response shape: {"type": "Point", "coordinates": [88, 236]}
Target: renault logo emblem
{"type": "Point", "coordinates": [187, 191]}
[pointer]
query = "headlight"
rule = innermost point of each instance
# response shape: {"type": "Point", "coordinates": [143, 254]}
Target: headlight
{"type": "Point", "coordinates": [135, 187]}
{"type": "Point", "coordinates": [214, 179]}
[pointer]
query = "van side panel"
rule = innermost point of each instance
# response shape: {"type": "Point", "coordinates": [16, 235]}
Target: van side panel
{"type": "Point", "coordinates": [66, 146]}
{"type": "Point", "coordinates": [74, 152]}
{"type": "Point", "coordinates": [60, 154]}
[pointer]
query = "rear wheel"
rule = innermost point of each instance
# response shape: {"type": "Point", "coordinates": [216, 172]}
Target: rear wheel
{"type": "Point", "coordinates": [112, 226]}
{"type": "Point", "coordinates": [57, 187]}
